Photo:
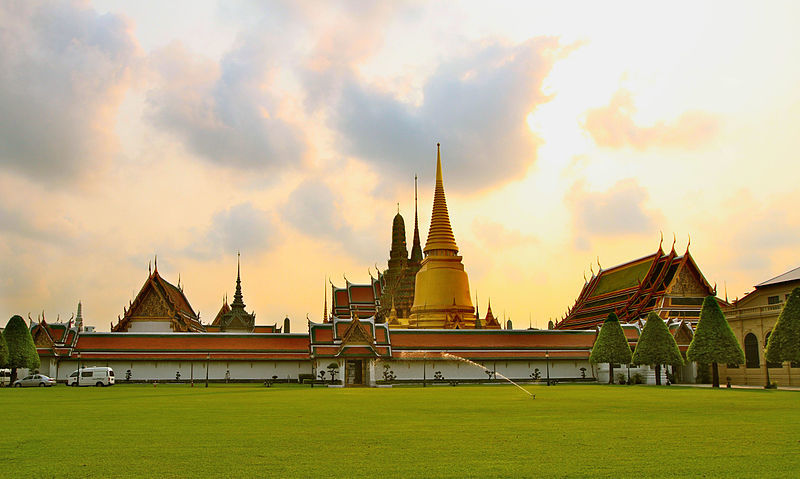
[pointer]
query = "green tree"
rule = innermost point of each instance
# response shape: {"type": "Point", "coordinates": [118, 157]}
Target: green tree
{"type": "Point", "coordinates": [784, 340]}
{"type": "Point", "coordinates": [714, 341]}
{"type": "Point", "coordinates": [656, 345]}
{"type": "Point", "coordinates": [21, 350]}
{"type": "Point", "coordinates": [611, 346]}
{"type": "Point", "coordinates": [3, 351]}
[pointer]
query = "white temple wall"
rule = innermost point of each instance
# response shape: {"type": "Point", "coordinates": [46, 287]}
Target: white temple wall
{"type": "Point", "coordinates": [150, 327]}
{"type": "Point", "coordinates": [148, 370]}
{"type": "Point", "coordinates": [458, 370]}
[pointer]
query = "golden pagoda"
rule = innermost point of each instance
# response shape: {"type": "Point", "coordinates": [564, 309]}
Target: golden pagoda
{"type": "Point", "coordinates": [441, 292]}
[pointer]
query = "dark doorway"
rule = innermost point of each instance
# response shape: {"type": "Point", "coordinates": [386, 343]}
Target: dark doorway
{"type": "Point", "coordinates": [751, 359]}
{"type": "Point", "coordinates": [354, 372]}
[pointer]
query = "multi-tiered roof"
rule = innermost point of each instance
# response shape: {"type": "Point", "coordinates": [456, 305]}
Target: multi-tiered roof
{"type": "Point", "coordinates": [670, 284]}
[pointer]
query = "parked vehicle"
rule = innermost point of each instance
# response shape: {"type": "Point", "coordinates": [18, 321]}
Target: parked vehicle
{"type": "Point", "coordinates": [5, 377]}
{"type": "Point", "coordinates": [34, 380]}
{"type": "Point", "coordinates": [95, 376]}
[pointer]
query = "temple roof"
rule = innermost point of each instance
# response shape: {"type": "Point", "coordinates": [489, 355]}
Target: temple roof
{"type": "Point", "coordinates": [180, 311]}
{"type": "Point", "coordinates": [440, 233]}
{"type": "Point", "coordinates": [634, 288]}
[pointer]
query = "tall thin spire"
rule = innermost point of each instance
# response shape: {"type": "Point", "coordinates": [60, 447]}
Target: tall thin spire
{"type": "Point", "coordinates": [325, 294]}
{"type": "Point", "coordinates": [440, 234]}
{"type": "Point", "coordinates": [79, 316]}
{"type": "Point", "coordinates": [416, 248]}
{"type": "Point", "coordinates": [237, 296]}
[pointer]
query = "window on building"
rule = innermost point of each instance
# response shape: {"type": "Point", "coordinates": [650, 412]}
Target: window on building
{"type": "Point", "coordinates": [733, 366]}
{"type": "Point", "coordinates": [771, 364]}
{"type": "Point", "coordinates": [751, 351]}
{"type": "Point", "coordinates": [795, 364]}
{"type": "Point", "coordinates": [773, 299]}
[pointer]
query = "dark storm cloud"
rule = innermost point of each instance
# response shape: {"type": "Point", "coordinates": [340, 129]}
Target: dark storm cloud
{"type": "Point", "coordinates": [618, 211]}
{"type": "Point", "coordinates": [63, 72]}
{"type": "Point", "coordinates": [475, 106]}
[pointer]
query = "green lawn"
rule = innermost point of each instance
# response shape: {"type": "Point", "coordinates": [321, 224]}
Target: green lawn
{"type": "Point", "coordinates": [443, 431]}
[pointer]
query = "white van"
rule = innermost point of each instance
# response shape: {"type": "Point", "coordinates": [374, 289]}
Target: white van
{"type": "Point", "coordinates": [5, 377]}
{"type": "Point", "coordinates": [95, 376]}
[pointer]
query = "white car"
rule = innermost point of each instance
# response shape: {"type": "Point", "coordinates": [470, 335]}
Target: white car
{"type": "Point", "coordinates": [96, 376]}
{"type": "Point", "coordinates": [34, 380]}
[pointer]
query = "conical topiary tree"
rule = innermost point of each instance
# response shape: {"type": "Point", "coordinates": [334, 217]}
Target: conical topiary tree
{"type": "Point", "coordinates": [611, 346]}
{"type": "Point", "coordinates": [714, 341]}
{"type": "Point", "coordinates": [656, 345]}
{"type": "Point", "coordinates": [21, 350]}
{"type": "Point", "coordinates": [3, 351]}
{"type": "Point", "coordinates": [784, 340]}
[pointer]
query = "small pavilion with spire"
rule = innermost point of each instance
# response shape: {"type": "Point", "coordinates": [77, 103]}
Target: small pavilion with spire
{"type": "Point", "coordinates": [236, 319]}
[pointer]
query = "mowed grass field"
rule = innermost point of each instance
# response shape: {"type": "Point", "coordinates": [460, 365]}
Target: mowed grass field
{"type": "Point", "coordinates": [443, 431]}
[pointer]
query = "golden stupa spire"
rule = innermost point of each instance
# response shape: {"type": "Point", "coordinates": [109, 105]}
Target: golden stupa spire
{"type": "Point", "coordinates": [440, 234]}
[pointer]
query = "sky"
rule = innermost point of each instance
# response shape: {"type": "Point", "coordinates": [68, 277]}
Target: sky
{"type": "Point", "coordinates": [572, 134]}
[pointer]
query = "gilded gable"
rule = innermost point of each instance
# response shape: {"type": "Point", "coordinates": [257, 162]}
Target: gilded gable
{"type": "Point", "coordinates": [152, 306]}
{"type": "Point", "coordinates": [687, 283]}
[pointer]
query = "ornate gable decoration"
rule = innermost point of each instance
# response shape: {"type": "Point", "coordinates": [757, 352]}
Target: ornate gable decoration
{"type": "Point", "coordinates": [152, 306]}
{"type": "Point", "coordinates": [687, 282]}
{"type": "Point", "coordinates": [355, 334]}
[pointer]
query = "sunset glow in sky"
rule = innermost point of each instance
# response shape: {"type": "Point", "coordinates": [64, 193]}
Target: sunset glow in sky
{"type": "Point", "coordinates": [291, 130]}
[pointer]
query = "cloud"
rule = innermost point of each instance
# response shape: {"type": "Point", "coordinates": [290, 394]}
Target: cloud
{"type": "Point", "coordinates": [496, 236]}
{"type": "Point", "coordinates": [612, 126]}
{"type": "Point", "coordinates": [242, 227]}
{"type": "Point", "coordinates": [616, 212]}
{"type": "Point", "coordinates": [476, 106]}
{"type": "Point", "coordinates": [64, 70]}
{"type": "Point", "coordinates": [229, 113]}
{"type": "Point", "coordinates": [315, 211]}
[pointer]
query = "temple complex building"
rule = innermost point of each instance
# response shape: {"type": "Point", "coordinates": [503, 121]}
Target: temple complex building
{"type": "Point", "coordinates": [672, 285]}
{"type": "Point", "coordinates": [414, 321]}
{"type": "Point", "coordinates": [159, 307]}
{"type": "Point", "coordinates": [441, 291]}
{"type": "Point", "coordinates": [752, 318]}
{"type": "Point", "coordinates": [234, 317]}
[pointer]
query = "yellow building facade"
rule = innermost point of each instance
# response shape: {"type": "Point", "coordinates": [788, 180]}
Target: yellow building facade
{"type": "Point", "coordinates": [752, 319]}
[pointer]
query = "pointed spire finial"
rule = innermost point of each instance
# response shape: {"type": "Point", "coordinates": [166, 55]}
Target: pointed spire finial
{"type": "Point", "coordinates": [661, 242]}
{"type": "Point", "coordinates": [155, 264]}
{"type": "Point", "coordinates": [149, 268]}
{"type": "Point", "coordinates": [238, 299]}
{"type": "Point", "coordinates": [689, 243]}
{"type": "Point", "coordinates": [598, 264]}
{"type": "Point", "coordinates": [325, 301]}
{"type": "Point", "coordinates": [416, 248]}
{"type": "Point", "coordinates": [440, 233]}
{"type": "Point", "coordinates": [674, 239]}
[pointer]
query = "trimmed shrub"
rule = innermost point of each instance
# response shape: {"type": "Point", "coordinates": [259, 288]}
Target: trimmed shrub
{"type": "Point", "coordinates": [714, 341]}
{"type": "Point", "coordinates": [611, 346]}
{"type": "Point", "coordinates": [21, 350]}
{"type": "Point", "coordinates": [656, 346]}
{"type": "Point", "coordinates": [784, 340]}
{"type": "Point", "coordinates": [3, 351]}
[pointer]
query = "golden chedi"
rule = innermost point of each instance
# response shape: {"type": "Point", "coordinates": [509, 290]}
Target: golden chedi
{"type": "Point", "coordinates": [441, 292]}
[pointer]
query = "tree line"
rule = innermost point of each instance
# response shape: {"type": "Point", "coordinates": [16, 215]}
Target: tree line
{"type": "Point", "coordinates": [713, 341]}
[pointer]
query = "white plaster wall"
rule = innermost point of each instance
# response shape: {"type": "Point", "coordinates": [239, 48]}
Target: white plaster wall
{"type": "Point", "coordinates": [165, 370]}
{"type": "Point", "coordinates": [457, 370]}
{"type": "Point", "coordinates": [150, 327]}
